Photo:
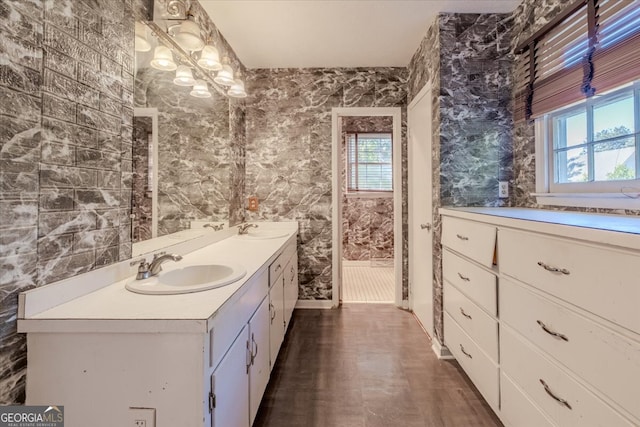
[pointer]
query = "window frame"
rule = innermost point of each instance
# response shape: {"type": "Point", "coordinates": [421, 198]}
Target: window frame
{"type": "Point", "coordinates": [598, 194]}
{"type": "Point", "coordinates": [349, 190]}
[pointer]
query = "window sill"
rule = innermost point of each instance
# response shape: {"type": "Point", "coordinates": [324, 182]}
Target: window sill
{"type": "Point", "coordinates": [370, 195]}
{"type": "Point", "coordinates": [589, 200]}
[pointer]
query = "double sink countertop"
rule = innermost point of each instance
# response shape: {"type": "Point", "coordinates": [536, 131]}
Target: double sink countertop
{"type": "Point", "coordinates": [112, 308]}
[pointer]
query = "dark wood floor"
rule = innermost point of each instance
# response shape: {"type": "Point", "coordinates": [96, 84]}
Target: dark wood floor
{"type": "Point", "coordinates": [366, 365]}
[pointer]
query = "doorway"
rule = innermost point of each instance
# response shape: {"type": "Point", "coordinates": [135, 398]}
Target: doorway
{"type": "Point", "coordinates": [421, 208]}
{"type": "Point", "coordinates": [367, 205]}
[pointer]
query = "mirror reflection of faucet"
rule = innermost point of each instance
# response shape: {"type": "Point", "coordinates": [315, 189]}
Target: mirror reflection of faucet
{"type": "Point", "coordinates": [244, 228]}
{"type": "Point", "coordinates": [146, 270]}
{"type": "Point", "coordinates": [214, 227]}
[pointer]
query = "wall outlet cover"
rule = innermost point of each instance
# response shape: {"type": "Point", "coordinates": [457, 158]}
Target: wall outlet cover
{"type": "Point", "coordinates": [253, 204]}
{"type": "Point", "coordinates": [503, 189]}
{"type": "Point", "coordinates": [142, 417]}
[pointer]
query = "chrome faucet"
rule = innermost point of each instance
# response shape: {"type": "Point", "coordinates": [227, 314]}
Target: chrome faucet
{"type": "Point", "coordinates": [244, 228]}
{"type": "Point", "coordinates": [146, 270]}
{"type": "Point", "coordinates": [217, 227]}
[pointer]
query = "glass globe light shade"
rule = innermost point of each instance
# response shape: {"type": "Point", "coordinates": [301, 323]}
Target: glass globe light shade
{"type": "Point", "coordinates": [210, 59]}
{"type": "Point", "coordinates": [225, 76]}
{"type": "Point", "coordinates": [200, 90]}
{"type": "Point", "coordinates": [184, 77]}
{"type": "Point", "coordinates": [188, 36]}
{"type": "Point", "coordinates": [141, 43]}
{"type": "Point", "coordinates": [163, 59]}
{"type": "Point", "coordinates": [237, 89]}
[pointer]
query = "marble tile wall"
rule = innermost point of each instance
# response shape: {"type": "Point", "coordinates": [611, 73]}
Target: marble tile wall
{"type": "Point", "coordinates": [465, 57]}
{"type": "Point", "coordinates": [142, 184]}
{"type": "Point", "coordinates": [67, 81]}
{"type": "Point", "coordinates": [367, 223]}
{"type": "Point", "coordinates": [194, 151]}
{"type": "Point", "coordinates": [288, 151]}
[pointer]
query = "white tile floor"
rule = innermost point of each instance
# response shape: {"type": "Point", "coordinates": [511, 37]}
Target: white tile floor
{"type": "Point", "coordinates": [363, 283]}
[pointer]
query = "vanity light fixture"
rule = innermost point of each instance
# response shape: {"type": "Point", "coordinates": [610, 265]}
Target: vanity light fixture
{"type": "Point", "coordinates": [141, 43]}
{"type": "Point", "coordinates": [225, 75]}
{"type": "Point", "coordinates": [200, 90]}
{"type": "Point", "coordinates": [210, 58]}
{"type": "Point", "coordinates": [184, 77]}
{"type": "Point", "coordinates": [163, 59]}
{"type": "Point", "coordinates": [237, 88]}
{"type": "Point", "coordinates": [187, 35]}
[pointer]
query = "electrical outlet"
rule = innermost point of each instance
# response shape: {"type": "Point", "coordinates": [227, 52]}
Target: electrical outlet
{"type": "Point", "coordinates": [503, 189]}
{"type": "Point", "coordinates": [253, 204]}
{"type": "Point", "coordinates": [142, 417]}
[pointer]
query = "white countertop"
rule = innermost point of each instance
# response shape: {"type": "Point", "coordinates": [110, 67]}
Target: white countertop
{"type": "Point", "coordinates": [618, 230]}
{"type": "Point", "coordinates": [114, 306]}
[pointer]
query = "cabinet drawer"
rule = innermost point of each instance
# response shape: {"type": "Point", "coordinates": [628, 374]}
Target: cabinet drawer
{"type": "Point", "coordinates": [478, 284]}
{"type": "Point", "coordinates": [472, 239]}
{"type": "Point", "coordinates": [516, 409]}
{"type": "Point", "coordinates": [603, 281]}
{"type": "Point", "coordinates": [276, 268]}
{"type": "Point", "coordinates": [531, 371]}
{"type": "Point", "coordinates": [606, 360]}
{"type": "Point", "coordinates": [482, 371]}
{"type": "Point", "coordinates": [481, 327]}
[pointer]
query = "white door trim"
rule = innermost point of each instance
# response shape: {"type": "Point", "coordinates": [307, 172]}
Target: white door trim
{"type": "Point", "coordinates": [336, 192]}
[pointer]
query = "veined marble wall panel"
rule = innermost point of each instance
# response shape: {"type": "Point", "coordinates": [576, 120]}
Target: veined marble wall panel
{"type": "Point", "coordinates": [65, 151]}
{"type": "Point", "coordinates": [194, 152]}
{"type": "Point", "coordinates": [142, 187]}
{"type": "Point", "coordinates": [289, 151]}
{"type": "Point", "coordinates": [237, 133]}
{"type": "Point", "coordinates": [367, 222]}
{"type": "Point", "coordinates": [465, 59]}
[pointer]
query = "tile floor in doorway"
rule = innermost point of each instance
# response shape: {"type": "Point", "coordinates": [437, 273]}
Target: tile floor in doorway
{"type": "Point", "coordinates": [364, 283]}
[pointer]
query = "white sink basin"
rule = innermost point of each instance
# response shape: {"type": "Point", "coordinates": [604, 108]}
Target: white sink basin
{"type": "Point", "coordinates": [262, 234]}
{"type": "Point", "coordinates": [193, 278]}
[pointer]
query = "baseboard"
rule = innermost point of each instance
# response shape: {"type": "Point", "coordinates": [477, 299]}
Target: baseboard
{"type": "Point", "coordinates": [314, 304]}
{"type": "Point", "coordinates": [440, 350]}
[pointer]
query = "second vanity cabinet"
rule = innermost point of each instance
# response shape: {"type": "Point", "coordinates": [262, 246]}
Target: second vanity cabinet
{"type": "Point", "coordinates": [541, 311]}
{"type": "Point", "coordinates": [191, 369]}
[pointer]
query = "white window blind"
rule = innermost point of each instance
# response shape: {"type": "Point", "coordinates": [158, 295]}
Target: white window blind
{"type": "Point", "coordinates": [369, 162]}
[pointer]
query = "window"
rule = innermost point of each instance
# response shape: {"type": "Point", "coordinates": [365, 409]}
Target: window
{"type": "Point", "coordinates": [595, 146]}
{"type": "Point", "coordinates": [369, 162]}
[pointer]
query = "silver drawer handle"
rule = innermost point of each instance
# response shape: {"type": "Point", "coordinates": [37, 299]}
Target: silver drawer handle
{"type": "Point", "coordinates": [465, 278]}
{"type": "Point", "coordinates": [278, 267]}
{"type": "Point", "coordinates": [465, 314]}
{"type": "Point", "coordinates": [553, 269]}
{"type": "Point", "coordinates": [464, 352]}
{"type": "Point", "coordinates": [425, 226]}
{"type": "Point", "coordinates": [556, 398]}
{"type": "Point", "coordinates": [552, 333]}
{"type": "Point", "coordinates": [461, 237]}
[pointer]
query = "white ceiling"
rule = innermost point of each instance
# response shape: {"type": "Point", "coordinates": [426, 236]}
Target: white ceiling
{"type": "Point", "coordinates": [333, 33]}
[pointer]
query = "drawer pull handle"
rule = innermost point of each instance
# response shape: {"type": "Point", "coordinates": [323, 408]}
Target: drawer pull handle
{"type": "Point", "coordinates": [465, 278]}
{"type": "Point", "coordinates": [464, 352]}
{"type": "Point", "coordinates": [461, 237]}
{"type": "Point", "coordinates": [278, 267]}
{"type": "Point", "coordinates": [550, 393]}
{"type": "Point", "coordinates": [553, 269]}
{"type": "Point", "coordinates": [552, 333]}
{"type": "Point", "coordinates": [272, 308]}
{"type": "Point", "coordinates": [465, 314]}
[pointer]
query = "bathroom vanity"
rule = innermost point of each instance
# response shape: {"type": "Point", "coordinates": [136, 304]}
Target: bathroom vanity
{"type": "Point", "coordinates": [113, 357]}
{"type": "Point", "coordinates": [541, 311]}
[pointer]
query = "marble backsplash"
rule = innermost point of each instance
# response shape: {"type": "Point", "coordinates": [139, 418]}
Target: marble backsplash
{"type": "Point", "coordinates": [288, 151]}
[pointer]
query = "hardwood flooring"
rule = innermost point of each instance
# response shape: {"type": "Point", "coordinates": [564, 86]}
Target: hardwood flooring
{"type": "Point", "coordinates": [366, 365]}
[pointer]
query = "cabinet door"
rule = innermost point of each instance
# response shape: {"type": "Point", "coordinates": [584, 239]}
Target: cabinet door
{"type": "Point", "coordinates": [276, 311]}
{"type": "Point", "coordinates": [259, 346]}
{"type": "Point", "coordinates": [290, 289]}
{"type": "Point", "coordinates": [230, 385]}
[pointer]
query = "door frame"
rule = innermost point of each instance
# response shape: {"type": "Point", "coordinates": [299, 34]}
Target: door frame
{"type": "Point", "coordinates": [336, 195]}
{"type": "Point", "coordinates": [424, 92]}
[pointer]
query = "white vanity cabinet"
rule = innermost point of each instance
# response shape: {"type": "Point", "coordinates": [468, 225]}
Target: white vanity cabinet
{"type": "Point", "coordinates": [192, 360]}
{"type": "Point", "coordinates": [567, 323]}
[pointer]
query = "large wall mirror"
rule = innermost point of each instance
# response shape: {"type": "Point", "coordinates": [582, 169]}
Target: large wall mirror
{"type": "Point", "coordinates": [182, 150]}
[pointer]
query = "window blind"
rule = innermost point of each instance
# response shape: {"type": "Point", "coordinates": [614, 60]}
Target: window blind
{"type": "Point", "coordinates": [369, 162]}
{"type": "Point", "coordinates": [593, 46]}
